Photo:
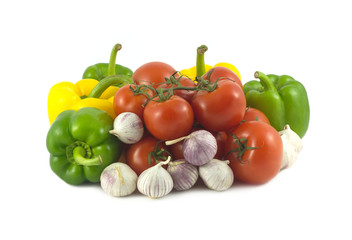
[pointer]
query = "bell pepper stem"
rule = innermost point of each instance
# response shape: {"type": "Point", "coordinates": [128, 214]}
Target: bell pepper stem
{"type": "Point", "coordinates": [112, 62]}
{"type": "Point", "coordinates": [107, 82]}
{"type": "Point", "coordinates": [265, 81]}
{"type": "Point", "coordinates": [200, 66]}
{"type": "Point", "coordinates": [79, 157]}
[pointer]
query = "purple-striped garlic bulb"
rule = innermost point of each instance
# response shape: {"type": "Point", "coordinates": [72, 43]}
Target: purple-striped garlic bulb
{"type": "Point", "coordinates": [184, 174]}
{"type": "Point", "coordinates": [128, 127]}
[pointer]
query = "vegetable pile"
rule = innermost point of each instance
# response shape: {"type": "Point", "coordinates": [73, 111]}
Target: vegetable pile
{"type": "Point", "coordinates": [157, 129]}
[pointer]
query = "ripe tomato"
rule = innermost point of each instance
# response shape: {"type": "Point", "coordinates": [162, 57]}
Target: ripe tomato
{"type": "Point", "coordinates": [253, 114]}
{"type": "Point", "coordinates": [152, 72]}
{"type": "Point", "coordinates": [126, 101]}
{"type": "Point", "coordinates": [221, 73]}
{"type": "Point", "coordinates": [185, 82]}
{"type": "Point", "coordinates": [170, 119]}
{"type": "Point", "coordinates": [221, 138]}
{"type": "Point", "coordinates": [221, 109]}
{"type": "Point", "coordinates": [176, 151]}
{"type": "Point", "coordinates": [255, 166]}
{"type": "Point", "coordinates": [137, 154]}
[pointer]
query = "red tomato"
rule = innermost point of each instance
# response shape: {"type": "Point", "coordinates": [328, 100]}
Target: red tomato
{"type": "Point", "coordinates": [152, 72]}
{"type": "Point", "coordinates": [176, 150]}
{"type": "Point", "coordinates": [221, 73]}
{"type": "Point", "coordinates": [168, 119]}
{"type": "Point", "coordinates": [221, 138]}
{"type": "Point", "coordinates": [126, 101]}
{"type": "Point", "coordinates": [137, 154]}
{"type": "Point", "coordinates": [255, 166]}
{"type": "Point", "coordinates": [221, 109]}
{"type": "Point", "coordinates": [253, 114]}
{"type": "Point", "coordinates": [185, 82]}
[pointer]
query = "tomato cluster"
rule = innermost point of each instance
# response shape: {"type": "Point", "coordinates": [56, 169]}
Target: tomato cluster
{"type": "Point", "coordinates": [172, 106]}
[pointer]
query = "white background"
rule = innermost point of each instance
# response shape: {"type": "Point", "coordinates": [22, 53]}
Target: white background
{"type": "Point", "coordinates": [46, 42]}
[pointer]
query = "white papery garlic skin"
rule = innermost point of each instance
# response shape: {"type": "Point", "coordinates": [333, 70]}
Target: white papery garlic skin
{"type": "Point", "coordinates": [155, 182]}
{"type": "Point", "coordinates": [128, 127]}
{"type": "Point", "coordinates": [217, 175]}
{"type": "Point", "coordinates": [118, 180]}
{"type": "Point", "coordinates": [292, 145]}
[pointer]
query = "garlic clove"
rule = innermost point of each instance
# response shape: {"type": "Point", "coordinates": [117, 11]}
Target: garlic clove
{"type": "Point", "coordinates": [118, 180]}
{"type": "Point", "coordinates": [292, 146]}
{"type": "Point", "coordinates": [217, 175]}
{"type": "Point", "coordinates": [155, 182]}
{"type": "Point", "coordinates": [128, 127]}
{"type": "Point", "coordinates": [184, 174]}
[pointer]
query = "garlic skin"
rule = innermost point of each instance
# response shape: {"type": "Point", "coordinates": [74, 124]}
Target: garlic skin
{"type": "Point", "coordinates": [118, 180]}
{"type": "Point", "coordinates": [184, 175]}
{"type": "Point", "coordinates": [217, 175]}
{"type": "Point", "coordinates": [292, 146]}
{"type": "Point", "coordinates": [199, 148]}
{"type": "Point", "coordinates": [155, 182]}
{"type": "Point", "coordinates": [128, 127]}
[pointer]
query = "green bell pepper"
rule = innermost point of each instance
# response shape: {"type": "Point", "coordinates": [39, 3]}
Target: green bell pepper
{"type": "Point", "coordinates": [100, 71]}
{"type": "Point", "coordinates": [81, 146]}
{"type": "Point", "coordinates": [282, 99]}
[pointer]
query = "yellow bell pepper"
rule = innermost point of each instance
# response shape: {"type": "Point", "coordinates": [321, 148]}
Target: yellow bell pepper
{"type": "Point", "coordinates": [69, 96]}
{"type": "Point", "coordinates": [201, 67]}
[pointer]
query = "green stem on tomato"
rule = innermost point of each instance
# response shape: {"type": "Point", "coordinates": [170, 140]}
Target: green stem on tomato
{"type": "Point", "coordinates": [112, 62]}
{"type": "Point", "coordinates": [200, 66]}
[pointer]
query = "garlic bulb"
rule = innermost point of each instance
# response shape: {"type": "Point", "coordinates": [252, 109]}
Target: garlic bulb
{"type": "Point", "coordinates": [128, 127]}
{"type": "Point", "coordinates": [217, 175]}
{"type": "Point", "coordinates": [198, 148]}
{"type": "Point", "coordinates": [118, 180]}
{"type": "Point", "coordinates": [292, 145]}
{"type": "Point", "coordinates": [155, 182]}
{"type": "Point", "coordinates": [184, 175]}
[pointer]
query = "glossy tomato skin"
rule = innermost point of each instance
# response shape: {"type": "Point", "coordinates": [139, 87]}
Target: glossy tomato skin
{"type": "Point", "coordinates": [185, 94]}
{"type": "Point", "coordinates": [221, 73]}
{"type": "Point", "coordinates": [253, 114]}
{"type": "Point", "coordinates": [221, 109]}
{"type": "Point", "coordinates": [258, 165]}
{"type": "Point", "coordinates": [137, 154]}
{"type": "Point", "coordinates": [168, 119]}
{"type": "Point", "coordinates": [176, 151]}
{"type": "Point", "coordinates": [152, 72]}
{"type": "Point", "coordinates": [221, 138]}
{"type": "Point", "coordinates": [126, 101]}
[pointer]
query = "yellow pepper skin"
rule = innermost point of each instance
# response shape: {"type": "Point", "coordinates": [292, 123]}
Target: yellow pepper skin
{"type": "Point", "coordinates": [201, 67]}
{"type": "Point", "coordinates": [69, 96]}
{"type": "Point", "coordinates": [192, 72]}
{"type": "Point", "coordinates": [231, 67]}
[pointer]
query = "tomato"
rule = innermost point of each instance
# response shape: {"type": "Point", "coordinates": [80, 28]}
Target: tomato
{"type": "Point", "coordinates": [176, 151]}
{"type": "Point", "coordinates": [137, 154]}
{"type": "Point", "coordinates": [185, 82]}
{"type": "Point", "coordinates": [259, 165]}
{"type": "Point", "coordinates": [221, 138]}
{"type": "Point", "coordinates": [221, 73]}
{"type": "Point", "coordinates": [253, 114]}
{"type": "Point", "coordinates": [220, 109]}
{"type": "Point", "coordinates": [126, 101]}
{"type": "Point", "coordinates": [170, 119]}
{"type": "Point", "coordinates": [152, 72]}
